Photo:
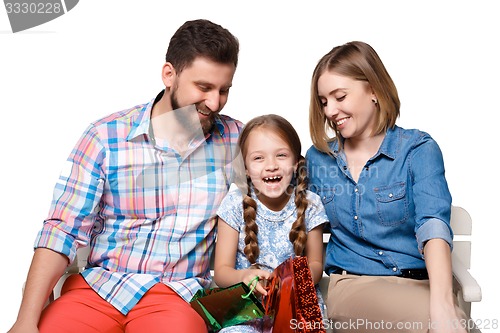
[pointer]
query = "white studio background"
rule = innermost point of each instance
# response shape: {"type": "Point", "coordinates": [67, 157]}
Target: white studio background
{"type": "Point", "coordinates": [104, 56]}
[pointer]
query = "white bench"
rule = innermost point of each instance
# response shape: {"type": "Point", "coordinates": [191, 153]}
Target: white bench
{"type": "Point", "coordinates": [465, 286]}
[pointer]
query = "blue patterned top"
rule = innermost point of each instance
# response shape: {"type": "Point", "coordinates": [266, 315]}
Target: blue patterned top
{"type": "Point", "coordinates": [274, 227]}
{"type": "Point", "coordinates": [274, 245]}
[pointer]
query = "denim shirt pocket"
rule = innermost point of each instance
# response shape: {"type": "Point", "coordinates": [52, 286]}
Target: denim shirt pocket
{"type": "Point", "coordinates": [327, 194]}
{"type": "Point", "coordinates": [392, 204]}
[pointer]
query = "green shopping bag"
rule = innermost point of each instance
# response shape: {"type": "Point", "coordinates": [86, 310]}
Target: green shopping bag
{"type": "Point", "coordinates": [223, 307]}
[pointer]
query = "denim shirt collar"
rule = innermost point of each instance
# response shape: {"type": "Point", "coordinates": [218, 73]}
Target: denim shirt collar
{"type": "Point", "coordinates": [390, 145]}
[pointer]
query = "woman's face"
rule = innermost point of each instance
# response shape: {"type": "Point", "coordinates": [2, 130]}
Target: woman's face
{"type": "Point", "coordinates": [349, 104]}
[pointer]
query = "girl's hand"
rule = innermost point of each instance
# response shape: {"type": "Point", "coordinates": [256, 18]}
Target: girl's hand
{"type": "Point", "coordinates": [249, 274]}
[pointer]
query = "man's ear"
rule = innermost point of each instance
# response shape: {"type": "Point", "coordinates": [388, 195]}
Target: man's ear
{"type": "Point", "coordinates": [168, 74]}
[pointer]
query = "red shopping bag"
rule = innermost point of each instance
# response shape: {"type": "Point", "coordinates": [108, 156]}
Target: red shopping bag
{"type": "Point", "coordinates": [292, 302]}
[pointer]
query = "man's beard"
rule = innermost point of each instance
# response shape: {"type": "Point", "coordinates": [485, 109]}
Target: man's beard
{"type": "Point", "coordinates": [189, 120]}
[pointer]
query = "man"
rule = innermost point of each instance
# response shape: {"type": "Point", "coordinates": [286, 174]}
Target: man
{"type": "Point", "coordinates": [141, 188]}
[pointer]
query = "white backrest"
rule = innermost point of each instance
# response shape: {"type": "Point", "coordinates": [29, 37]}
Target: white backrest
{"type": "Point", "coordinates": [80, 261]}
{"type": "Point", "coordinates": [461, 224]}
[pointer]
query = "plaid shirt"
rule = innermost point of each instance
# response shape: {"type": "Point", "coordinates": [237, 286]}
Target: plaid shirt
{"type": "Point", "coordinates": [147, 213]}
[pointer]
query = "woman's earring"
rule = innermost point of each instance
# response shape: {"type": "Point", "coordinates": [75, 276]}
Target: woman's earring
{"type": "Point", "coordinates": [374, 100]}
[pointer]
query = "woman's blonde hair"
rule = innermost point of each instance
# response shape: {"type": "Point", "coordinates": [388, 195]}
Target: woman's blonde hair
{"type": "Point", "coordinates": [298, 236]}
{"type": "Point", "coordinates": [358, 61]}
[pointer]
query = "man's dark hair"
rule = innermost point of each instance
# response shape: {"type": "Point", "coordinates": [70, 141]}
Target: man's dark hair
{"type": "Point", "coordinates": [202, 38]}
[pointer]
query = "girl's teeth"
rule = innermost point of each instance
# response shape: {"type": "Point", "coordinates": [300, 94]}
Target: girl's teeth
{"type": "Point", "coordinates": [272, 178]}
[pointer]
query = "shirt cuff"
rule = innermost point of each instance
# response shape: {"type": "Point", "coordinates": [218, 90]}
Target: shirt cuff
{"type": "Point", "coordinates": [434, 228]}
{"type": "Point", "coordinates": [53, 238]}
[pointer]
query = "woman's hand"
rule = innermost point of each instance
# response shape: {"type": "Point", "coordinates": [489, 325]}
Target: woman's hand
{"type": "Point", "coordinates": [444, 319]}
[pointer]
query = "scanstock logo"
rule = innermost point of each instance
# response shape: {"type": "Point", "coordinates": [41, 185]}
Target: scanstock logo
{"type": "Point", "coordinates": [25, 14]}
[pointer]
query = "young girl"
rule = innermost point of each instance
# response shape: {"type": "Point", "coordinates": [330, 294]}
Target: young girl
{"type": "Point", "coordinates": [275, 218]}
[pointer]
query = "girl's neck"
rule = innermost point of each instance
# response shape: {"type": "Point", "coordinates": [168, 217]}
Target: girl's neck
{"type": "Point", "coordinates": [276, 204]}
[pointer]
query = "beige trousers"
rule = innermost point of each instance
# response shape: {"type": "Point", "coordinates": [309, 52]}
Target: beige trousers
{"type": "Point", "coordinates": [378, 304]}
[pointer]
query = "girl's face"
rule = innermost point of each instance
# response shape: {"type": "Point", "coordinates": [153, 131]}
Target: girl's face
{"type": "Point", "coordinates": [349, 104]}
{"type": "Point", "coordinates": [270, 164]}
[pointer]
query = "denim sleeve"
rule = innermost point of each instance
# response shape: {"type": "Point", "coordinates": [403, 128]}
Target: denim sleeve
{"type": "Point", "coordinates": [433, 228]}
{"type": "Point", "coordinates": [431, 195]}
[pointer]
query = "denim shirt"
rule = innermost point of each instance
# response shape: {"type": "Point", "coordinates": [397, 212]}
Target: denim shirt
{"type": "Point", "coordinates": [380, 224]}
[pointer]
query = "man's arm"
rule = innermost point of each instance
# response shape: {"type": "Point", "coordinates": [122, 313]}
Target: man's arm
{"type": "Point", "coordinates": [46, 268]}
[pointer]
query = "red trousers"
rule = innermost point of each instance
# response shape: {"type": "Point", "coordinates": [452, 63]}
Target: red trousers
{"type": "Point", "coordinates": [81, 309]}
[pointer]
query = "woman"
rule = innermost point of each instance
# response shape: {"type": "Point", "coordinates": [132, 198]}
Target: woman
{"type": "Point", "coordinates": [386, 196]}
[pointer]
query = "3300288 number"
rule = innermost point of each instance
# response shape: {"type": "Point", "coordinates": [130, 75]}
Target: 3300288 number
{"type": "Point", "coordinates": [33, 7]}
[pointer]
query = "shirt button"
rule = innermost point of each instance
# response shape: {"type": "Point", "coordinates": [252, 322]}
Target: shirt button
{"type": "Point", "coordinates": [380, 253]}
{"type": "Point", "coordinates": [355, 217]}
{"type": "Point", "coordinates": [356, 190]}
{"type": "Point", "coordinates": [390, 195]}
{"type": "Point", "coordinates": [394, 269]}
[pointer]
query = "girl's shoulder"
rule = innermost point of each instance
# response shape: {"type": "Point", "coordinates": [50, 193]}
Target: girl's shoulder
{"type": "Point", "coordinates": [313, 198]}
{"type": "Point", "coordinates": [235, 192]}
{"type": "Point", "coordinates": [315, 204]}
{"type": "Point", "coordinates": [231, 204]}
{"type": "Point", "coordinates": [315, 211]}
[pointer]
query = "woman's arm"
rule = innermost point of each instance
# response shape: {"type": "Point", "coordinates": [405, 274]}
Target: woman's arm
{"type": "Point", "coordinates": [225, 274]}
{"type": "Point", "coordinates": [442, 308]}
{"type": "Point", "coordinates": [314, 251]}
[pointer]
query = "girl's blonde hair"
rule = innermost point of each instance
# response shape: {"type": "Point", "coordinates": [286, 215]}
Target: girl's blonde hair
{"type": "Point", "coordinates": [298, 236]}
{"type": "Point", "coordinates": [358, 61]}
